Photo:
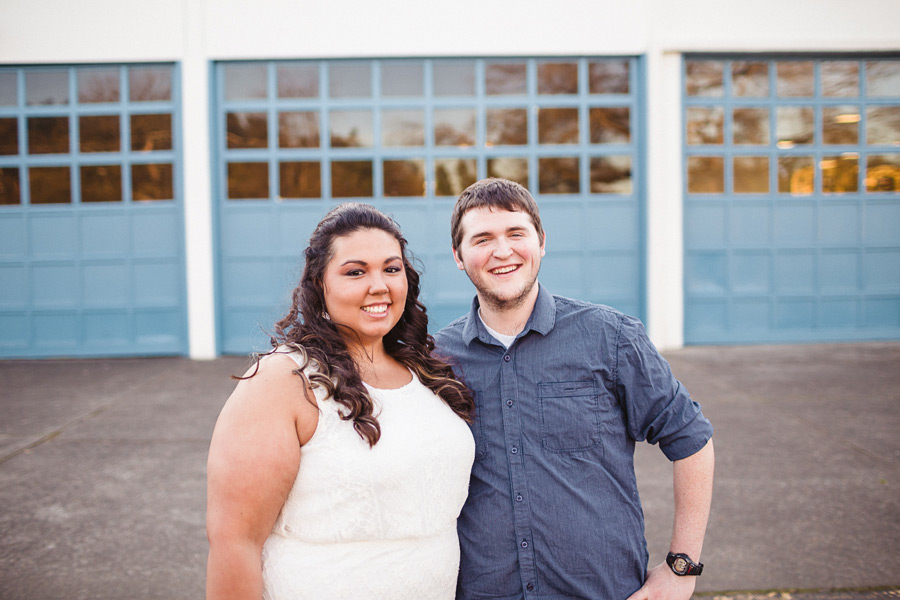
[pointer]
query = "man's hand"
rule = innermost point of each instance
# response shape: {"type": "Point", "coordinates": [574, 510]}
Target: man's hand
{"type": "Point", "coordinates": [663, 584]}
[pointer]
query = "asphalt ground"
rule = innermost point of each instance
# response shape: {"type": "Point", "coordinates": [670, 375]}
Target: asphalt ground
{"type": "Point", "coordinates": [102, 473]}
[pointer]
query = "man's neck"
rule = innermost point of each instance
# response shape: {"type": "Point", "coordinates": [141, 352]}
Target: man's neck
{"type": "Point", "coordinates": [508, 320]}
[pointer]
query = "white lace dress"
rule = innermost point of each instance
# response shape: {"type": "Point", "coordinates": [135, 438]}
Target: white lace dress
{"type": "Point", "coordinates": [372, 523]}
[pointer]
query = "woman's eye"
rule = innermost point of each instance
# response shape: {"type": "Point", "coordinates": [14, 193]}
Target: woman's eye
{"type": "Point", "coordinates": [393, 269]}
{"type": "Point", "coordinates": [354, 273]}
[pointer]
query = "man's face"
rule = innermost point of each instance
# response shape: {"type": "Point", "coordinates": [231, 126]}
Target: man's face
{"type": "Point", "coordinates": [501, 253]}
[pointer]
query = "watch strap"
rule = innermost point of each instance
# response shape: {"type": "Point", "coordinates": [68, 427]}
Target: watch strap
{"type": "Point", "coordinates": [688, 566]}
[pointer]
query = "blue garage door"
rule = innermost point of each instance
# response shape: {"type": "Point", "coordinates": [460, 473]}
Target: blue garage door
{"type": "Point", "coordinates": [91, 229]}
{"type": "Point", "coordinates": [792, 199]}
{"type": "Point", "coordinates": [294, 138]}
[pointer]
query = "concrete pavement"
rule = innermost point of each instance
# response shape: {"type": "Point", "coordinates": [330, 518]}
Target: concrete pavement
{"type": "Point", "coordinates": [102, 473]}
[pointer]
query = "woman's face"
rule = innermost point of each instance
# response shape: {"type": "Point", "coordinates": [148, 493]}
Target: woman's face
{"type": "Point", "coordinates": [365, 284]}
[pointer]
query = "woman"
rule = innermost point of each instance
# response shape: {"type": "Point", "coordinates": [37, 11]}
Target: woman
{"type": "Point", "coordinates": [338, 466]}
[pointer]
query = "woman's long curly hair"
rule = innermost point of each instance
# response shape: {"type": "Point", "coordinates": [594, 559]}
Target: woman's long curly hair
{"type": "Point", "coordinates": [307, 330]}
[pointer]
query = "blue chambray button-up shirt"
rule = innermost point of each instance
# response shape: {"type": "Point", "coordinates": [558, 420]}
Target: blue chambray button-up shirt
{"type": "Point", "coordinates": [553, 509]}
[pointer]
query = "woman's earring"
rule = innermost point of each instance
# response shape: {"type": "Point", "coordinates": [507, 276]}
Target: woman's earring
{"type": "Point", "coordinates": [325, 315]}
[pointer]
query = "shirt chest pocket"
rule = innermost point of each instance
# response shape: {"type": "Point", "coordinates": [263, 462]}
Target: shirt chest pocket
{"type": "Point", "coordinates": [570, 415]}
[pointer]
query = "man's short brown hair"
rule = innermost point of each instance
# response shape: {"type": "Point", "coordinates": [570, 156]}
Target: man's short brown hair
{"type": "Point", "coordinates": [494, 193]}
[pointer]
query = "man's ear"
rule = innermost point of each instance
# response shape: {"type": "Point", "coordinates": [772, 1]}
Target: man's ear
{"type": "Point", "coordinates": [459, 262]}
{"type": "Point", "coordinates": [544, 244]}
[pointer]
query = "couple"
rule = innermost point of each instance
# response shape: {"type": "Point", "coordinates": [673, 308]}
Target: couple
{"type": "Point", "coordinates": [342, 466]}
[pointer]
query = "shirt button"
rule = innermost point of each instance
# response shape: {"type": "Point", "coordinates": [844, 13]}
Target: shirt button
{"type": "Point", "coordinates": [519, 497]}
{"type": "Point", "coordinates": [524, 543]}
{"type": "Point", "coordinates": [506, 358]}
{"type": "Point", "coordinates": [529, 587]}
{"type": "Point", "coordinates": [514, 450]}
{"type": "Point", "coordinates": [509, 402]}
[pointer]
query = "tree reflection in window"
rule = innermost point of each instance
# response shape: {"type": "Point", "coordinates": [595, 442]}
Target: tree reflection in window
{"type": "Point", "coordinates": [453, 175]}
{"type": "Point", "coordinates": [558, 175]}
{"type": "Point", "coordinates": [351, 179]}
{"type": "Point", "coordinates": [404, 177]}
{"type": "Point", "coordinates": [611, 175]}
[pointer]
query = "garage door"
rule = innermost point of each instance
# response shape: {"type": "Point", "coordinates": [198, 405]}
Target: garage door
{"type": "Point", "coordinates": [294, 138]}
{"type": "Point", "coordinates": [792, 199]}
{"type": "Point", "coordinates": [91, 230]}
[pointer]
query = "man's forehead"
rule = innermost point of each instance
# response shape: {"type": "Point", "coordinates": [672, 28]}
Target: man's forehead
{"type": "Point", "coordinates": [482, 214]}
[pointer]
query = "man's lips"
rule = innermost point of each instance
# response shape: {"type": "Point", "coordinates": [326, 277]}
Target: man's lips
{"type": "Point", "coordinates": [504, 270]}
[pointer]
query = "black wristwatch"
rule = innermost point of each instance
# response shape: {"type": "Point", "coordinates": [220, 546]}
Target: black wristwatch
{"type": "Point", "coordinates": [681, 564]}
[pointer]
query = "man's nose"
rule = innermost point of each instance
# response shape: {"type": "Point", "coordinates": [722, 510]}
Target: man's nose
{"type": "Point", "coordinates": [502, 249]}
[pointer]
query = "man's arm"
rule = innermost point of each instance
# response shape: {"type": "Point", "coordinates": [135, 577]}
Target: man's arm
{"type": "Point", "coordinates": [693, 480]}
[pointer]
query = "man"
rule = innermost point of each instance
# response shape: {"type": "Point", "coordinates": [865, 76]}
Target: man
{"type": "Point", "coordinates": [563, 390]}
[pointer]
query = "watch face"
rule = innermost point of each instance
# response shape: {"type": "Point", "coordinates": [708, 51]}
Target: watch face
{"type": "Point", "coordinates": [680, 565]}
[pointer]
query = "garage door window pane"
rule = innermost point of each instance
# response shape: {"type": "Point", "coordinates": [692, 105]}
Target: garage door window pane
{"type": "Point", "coordinates": [608, 76]}
{"type": "Point", "coordinates": [151, 182]}
{"type": "Point", "coordinates": [750, 79]}
{"type": "Point", "coordinates": [796, 175]}
{"type": "Point", "coordinates": [883, 125]}
{"type": "Point", "coordinates": [705, 125]}
{"type": "Point", "coordinates": [9, 136]}
{"type": "Point", "coordinates": [404, 178]}
{"type": "Point", "coordinates": [101, 183]}
{"type": "Point", "coordinates": [794, 78]}
{"type": "Point", "coordinates": [514, 169]}
{"type": "Point", "coordinates": [610, 125]}
{"type": "Point", "coordinates": [883, 173]}
{"type": "Point", "coordinates": [50, 185]}
{"type": "Point", "coordinates": [558, 78]}
{"type": "Point", "coordinates": [611, 175]}
{"type": "Point", "coordinates": [706, 174]}
{"type": "Point", "coordinates": [507, 126]}
{"type": "Point", "coordinates": [298, 129]}
{"type": "Point", "coordinates": [150, 84]}
{"type": "Point", "coordinates": [300, 179]}
{"type": "Point", "coordinates": [298, 81]}
{"type": "Point", "coordinates": [839, 174]}
{"type": "Point", "coordinates": [351, 179]}
{"type": "Point", "coordinates": [48, 135]}
{"type": "Point", "coordinates": [151, 132]}
{"type": "Point", "coordinates": [751, 174]}
{"type": "Point", "coordinates": [750, 126]}
{"type": "Point", "coordinates": [454, 127]}
{"type": "Point", "coordinates": [9, 186]}
{"type": "Point", "coordinates": [453, 175]}
{"type": "Point", "coordinates": [504, 79]}
{"type": "Point", "coordinates": [558, 175]}
{"type": "Point", "coordinates": [840, 79]}
{"type": "Point", "coordinates": [247, 130]}
{"type": "Point", "coordinates": [248, 180]}
{"type": "Point", "coordinates": [351, 129]}
{"type": "Point", "coordinates": [883, 78]}
{"type": "Point", "coordinates": [558, 126]}
{"type": "Point", "coordinates": [98, 85]}
{"type": "Point", "coordinates": [99, 134]}
{"type": "Point", "coordinates": [44, 88]}
{"type": "Point", "coordinates": [402, 128]}
{"type": "Point", "coordinates": [840, 125]}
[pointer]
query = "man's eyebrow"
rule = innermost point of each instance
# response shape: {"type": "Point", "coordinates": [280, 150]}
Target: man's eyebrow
{"type": "Point", "coordinates": [508, 229]}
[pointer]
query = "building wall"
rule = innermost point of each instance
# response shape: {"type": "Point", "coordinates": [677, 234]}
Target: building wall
{"type": "Point", "coordinates": [195, 33]}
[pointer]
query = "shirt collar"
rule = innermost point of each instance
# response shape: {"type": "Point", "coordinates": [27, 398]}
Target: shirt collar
{"type": "Point", "coordinates": [542, 319]}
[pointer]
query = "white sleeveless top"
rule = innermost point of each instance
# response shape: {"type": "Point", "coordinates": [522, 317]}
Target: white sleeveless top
{"type": "Point", "coordinates": [372, 523]}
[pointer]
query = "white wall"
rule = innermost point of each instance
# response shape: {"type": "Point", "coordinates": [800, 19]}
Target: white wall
{"type": "Point", "coordinates": [196, 32]}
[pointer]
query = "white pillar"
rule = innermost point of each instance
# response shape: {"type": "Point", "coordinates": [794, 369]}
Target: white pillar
{"type": "Point", "coordinates": [198, 206]}
{"type": "Point", "coordinates": [665, 248]}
